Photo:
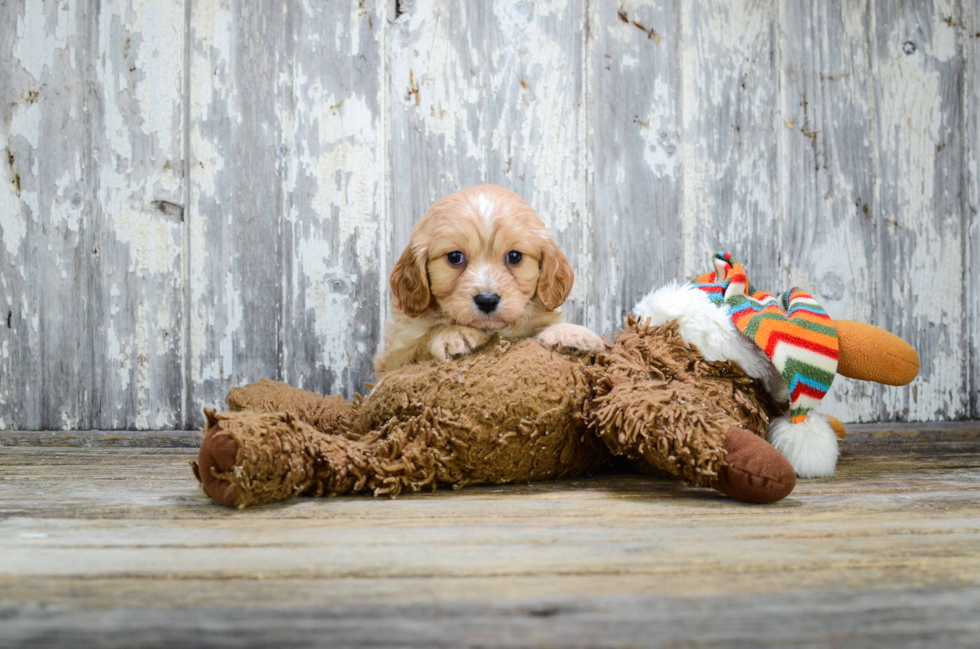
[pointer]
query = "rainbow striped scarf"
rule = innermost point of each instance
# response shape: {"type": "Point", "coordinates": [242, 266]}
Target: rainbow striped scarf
{"type": "Point", "coordinates": [793, 330]}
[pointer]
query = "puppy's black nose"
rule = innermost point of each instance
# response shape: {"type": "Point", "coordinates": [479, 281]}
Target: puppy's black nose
{"type": "Point", "coordinates": [487, 302]}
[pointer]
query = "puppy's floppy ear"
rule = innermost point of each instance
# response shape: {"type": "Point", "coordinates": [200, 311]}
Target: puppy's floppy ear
{"type": "Point", "coordinates": [556, 278]}
{"type": "Point", "coordinates": [410, 283]}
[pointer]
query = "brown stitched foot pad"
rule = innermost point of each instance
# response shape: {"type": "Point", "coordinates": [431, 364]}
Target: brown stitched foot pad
{"type": "Point", "coordinates": [220, 452]}
{"type": "Point", "coordinates": [755, 472]}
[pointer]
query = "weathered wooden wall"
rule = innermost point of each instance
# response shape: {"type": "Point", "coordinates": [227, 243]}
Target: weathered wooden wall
{"type": "Point", "coordinates": [196, 194]}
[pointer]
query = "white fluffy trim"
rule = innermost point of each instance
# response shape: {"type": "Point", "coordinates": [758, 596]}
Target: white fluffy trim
{"type": "Point", "coordinates": [810, 446]}
{"type": "Point", "coordinates": [708, 327]}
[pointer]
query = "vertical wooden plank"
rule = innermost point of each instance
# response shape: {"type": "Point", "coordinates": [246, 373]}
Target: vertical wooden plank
{"type": "Point", "coordinates": [971, 205]}
{"type": "Point", "coordinates": [91, 215]}
{"type": "Point", "coordinates": [827, 170]}
{"type": "Point", "coordinates": [335, 228]}
{"type": "Point", "coordinates": [492, 92]}
{"type": "Point", "coordinates": [730, 107]}
{"type": "Point", "coordinates": [135, 294]}
{"type": "Point", "coordinates": [536, 122]}
{"type": "Point", "coordinates": [40, 42]}
{"type": "Point", "coordinates": [235, 198]}
{"type": "Point", "coordinates": [437, 94]}
{"type": "Point", "coordinates": [919, 90]}
{"type": "Point", "coordinates": [637, 154]}
{"type": "Point", "coordinates": [34, 52]}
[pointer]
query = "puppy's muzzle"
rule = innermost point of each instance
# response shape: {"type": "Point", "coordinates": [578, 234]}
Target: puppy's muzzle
{"type": "Point", "coordinates": [486, 302]}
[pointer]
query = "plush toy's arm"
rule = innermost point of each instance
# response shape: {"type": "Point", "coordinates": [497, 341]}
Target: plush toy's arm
{"type": "Point", "coordinates": [868, 353]}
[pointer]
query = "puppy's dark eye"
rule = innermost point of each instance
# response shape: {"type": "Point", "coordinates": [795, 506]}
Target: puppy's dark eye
{"type": "Point", "coordinates": [455, 258]}
{"type": "Point", "coordinates": [514, 257]}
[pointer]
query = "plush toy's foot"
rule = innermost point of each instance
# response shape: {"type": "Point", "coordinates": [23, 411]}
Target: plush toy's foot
{"type": "Point", "coordinates": [219, 451]}
{"type": "Point", "coordinates": [755, 472]}
{"type": "Point", "coordinates": [250, 458]}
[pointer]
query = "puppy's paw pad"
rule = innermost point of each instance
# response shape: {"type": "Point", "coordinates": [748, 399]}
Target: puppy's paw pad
{"type": "Point", "coordinates": [571, 339]}
{"type": "Point", "coordinates": [458, 341]}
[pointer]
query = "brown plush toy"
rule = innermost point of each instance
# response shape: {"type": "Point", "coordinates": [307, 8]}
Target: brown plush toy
{"type": "Point", "coordinates": [511, 412]}
{"type": "Point", "coordinates": [514, 411]}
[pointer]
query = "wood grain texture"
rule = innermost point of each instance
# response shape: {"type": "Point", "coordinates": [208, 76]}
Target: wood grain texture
{"type": "Point", "coordinates": [729, 100]}
{"type": "Point", "coordinates": [98, 438]}
{"type": "Point", "coordinates": [90, 208]}
{"type": "Point", "coordinates": [234, 247]}
{"type": "Point", "coordinates": [970, 42]}
{"type": "Point", "coordinates": [335, 229]}
{"type": "Point", "coordinates": [919, 89]}
{"type": "Point", "coordinates": [637, 154]}
{"type": "Point", "coordinates": [195, 195]}
{"type": "Point", "coordinates": [116, 545]}
{"type": "Point", "coordinates": [912, 617]}
{"type": "Point", "coordinates": [536, 125]}
{"type": "Point", "coordinates": [438, 93]}
{"type": "Point", "coordinates": [289, 236]}
{"type": "Point", "coordinates": [826, 170]}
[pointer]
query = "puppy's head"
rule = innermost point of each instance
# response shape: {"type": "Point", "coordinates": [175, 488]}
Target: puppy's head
{"type": "Point", "coordinates": [481, 257]}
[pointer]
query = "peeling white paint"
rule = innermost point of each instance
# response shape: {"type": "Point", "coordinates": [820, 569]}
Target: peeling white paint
{"type": "Point", "coordinates": [154, 242]}
{"type": "Point", "coordinates": [141, 358]}
{"type": "Point", "coordinates": [234, 316]}
{"type": "Point", "coordinates": [114, 84]}
{"type": "Point", "coordinates": [13, 223]}
{"type": "Point", "coordinates": [212, 34]}
{"type": "Point", "coordinates": [545, 112]}
{"type": "Point", "coordinates": [36, 47]}
{"type": "Point", "coordinates": [160, 57]}
{"type": "Point", "coordinates": [202, 318]}
{"type": "Point", "coordinates": [69, 422]}
{"type": "Point", "coordinates": [343, 172]}
{"type": "Point", "coordinates": [943, 43]}
{"type": "Point", "coordinates": [328, 296]}
{"type": "Point", "coordinates": [67, 206]}
{"type": "Point", "coordinates": [727, 147]}
{"type": "Point", "coordinates": [26, 123]}
{"type": "Point", "coordinates": [436, 82]}
{"type": "Point", "coordinates": [926, 236]}
{"type": "Point", "coordinates": [661, 153]}
{"type": "Point", "coordinates": [497, 93]}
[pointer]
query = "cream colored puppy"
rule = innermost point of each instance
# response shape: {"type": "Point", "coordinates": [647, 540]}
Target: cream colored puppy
{"type": "Point", "coordinates": [479, 262]}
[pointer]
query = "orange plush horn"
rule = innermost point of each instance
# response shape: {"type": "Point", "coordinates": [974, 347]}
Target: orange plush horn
{"type": "Point", "coordinates": [868, 353]}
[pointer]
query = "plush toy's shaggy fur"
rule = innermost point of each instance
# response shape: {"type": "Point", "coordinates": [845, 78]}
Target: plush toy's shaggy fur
{"type": "Point", "coordinates": [511, 412]}
{"type": "Point", "coordinates": [658, 400]}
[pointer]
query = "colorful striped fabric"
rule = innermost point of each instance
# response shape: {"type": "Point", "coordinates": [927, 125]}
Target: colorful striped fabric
{"type": "Point", "coordinates": [793, 330]}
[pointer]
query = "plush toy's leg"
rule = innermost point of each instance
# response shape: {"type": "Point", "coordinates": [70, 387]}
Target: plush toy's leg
{"type": "Point", "coordinates": [645, 422]}
{"type": "Point", "coordinates": [250, 458]}
{"type": "Point", "coordinates": [754, 471]}
{"type": "Point", "coordinates": [218, 454]}
{"type": "Point", "coordinates": [657, 400]}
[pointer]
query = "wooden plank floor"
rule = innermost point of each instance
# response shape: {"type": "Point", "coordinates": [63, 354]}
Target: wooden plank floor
{"type": "Point", "coordinates": [107, 543]}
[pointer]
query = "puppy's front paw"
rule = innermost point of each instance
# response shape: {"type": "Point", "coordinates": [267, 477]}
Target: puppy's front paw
{"type": "Point", "coordinates": [571, 339]}
{"type": "Point", "coordinates": [456, 341]}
